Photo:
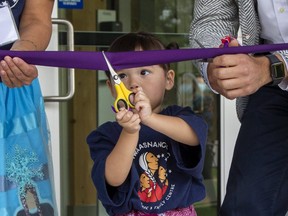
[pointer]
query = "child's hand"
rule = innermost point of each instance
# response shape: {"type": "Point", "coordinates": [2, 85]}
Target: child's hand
{"type": "Point", "coordinates": [128, 120]}
{"type": "Point", "coordinates": [142, 105]}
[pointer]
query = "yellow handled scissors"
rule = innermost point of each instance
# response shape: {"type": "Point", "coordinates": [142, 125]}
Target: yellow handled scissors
{"type": "Point", "coordinates": [124, 96]}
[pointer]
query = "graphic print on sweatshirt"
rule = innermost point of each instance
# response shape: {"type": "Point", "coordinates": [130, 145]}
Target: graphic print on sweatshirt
{"type": "Point", "coordinates": [11, 3]}
{"type": "Point", "coordinates": [155, 189]}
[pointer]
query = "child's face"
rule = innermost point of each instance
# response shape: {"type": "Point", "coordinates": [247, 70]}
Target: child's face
{"type": "Point", "coordinates": [153, 80]}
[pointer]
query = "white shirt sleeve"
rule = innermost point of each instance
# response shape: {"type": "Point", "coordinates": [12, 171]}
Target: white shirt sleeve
{"type": "Point", "coordinates": [284, 84]}
{"type": "Point", "coordinates": [203, 70]}
{"type": "Point", "coordinates": [273, 17]}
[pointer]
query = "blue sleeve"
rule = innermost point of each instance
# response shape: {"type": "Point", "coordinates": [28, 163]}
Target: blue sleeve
{"type": "Point", "coordinates": [101, 142]}
{"type": "Point", "coordinates": [190, 159]}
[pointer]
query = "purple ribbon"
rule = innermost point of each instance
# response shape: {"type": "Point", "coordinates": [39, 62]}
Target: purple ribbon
{"type": "Point", "coordinates": [131, 59]}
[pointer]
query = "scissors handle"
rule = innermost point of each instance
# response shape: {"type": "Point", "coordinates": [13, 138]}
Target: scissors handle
{"type": "Point", "coordinates": [124, 97]}
{"type": "Point", "coordinates": [226, 40]}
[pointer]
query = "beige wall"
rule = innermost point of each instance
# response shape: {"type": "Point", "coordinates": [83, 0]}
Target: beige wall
{"type": "Point", "coordinates": [82, 109]}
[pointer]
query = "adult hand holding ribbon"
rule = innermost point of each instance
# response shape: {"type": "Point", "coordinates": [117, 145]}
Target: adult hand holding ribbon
{"type": "Point", "coordinates": [120, 60]}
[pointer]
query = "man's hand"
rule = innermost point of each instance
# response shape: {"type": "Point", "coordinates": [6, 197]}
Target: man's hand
{"type": "Point", "coordinates": [239, 74]}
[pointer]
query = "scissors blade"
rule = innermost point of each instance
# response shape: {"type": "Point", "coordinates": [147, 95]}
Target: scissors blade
{"type": "Point", "coordinates": [114, 75]}
{"type": "Point", "coordinates": [123, 98]}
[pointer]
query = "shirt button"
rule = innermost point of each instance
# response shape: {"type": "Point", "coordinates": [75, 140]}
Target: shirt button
{"type": "Point", "coordinates": [282, 10]}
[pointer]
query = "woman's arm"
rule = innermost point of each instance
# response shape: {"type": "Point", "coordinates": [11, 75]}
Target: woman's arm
{"type": "Point", "coordinates": [35, 25]}
{"type": "Point", "coordinates": [35, 31]}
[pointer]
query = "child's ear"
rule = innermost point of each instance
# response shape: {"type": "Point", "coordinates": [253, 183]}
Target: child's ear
{"type": "Point", "coordinates": [111, 87]}
{"type": "Point", "coordinates": [170, 77]}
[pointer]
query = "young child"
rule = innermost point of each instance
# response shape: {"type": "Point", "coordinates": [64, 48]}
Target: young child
{"type": "Point", "coordinates": [149, 161]}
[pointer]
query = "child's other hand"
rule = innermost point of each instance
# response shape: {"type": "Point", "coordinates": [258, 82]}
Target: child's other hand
{"type": "Point", "coordinates": [128, 120]}
{"type": "Point", "coordinates": [142, 105]}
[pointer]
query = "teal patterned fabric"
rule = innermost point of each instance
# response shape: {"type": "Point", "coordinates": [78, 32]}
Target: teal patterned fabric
{"type": "Point", "coordinates": [26, 175]}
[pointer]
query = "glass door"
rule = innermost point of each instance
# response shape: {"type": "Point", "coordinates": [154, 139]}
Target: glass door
{"type": "Point", "coordinates": [95, 27]}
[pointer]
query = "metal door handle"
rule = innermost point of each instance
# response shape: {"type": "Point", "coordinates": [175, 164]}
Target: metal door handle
{"type": "Point", "coordinates": [71, 71]}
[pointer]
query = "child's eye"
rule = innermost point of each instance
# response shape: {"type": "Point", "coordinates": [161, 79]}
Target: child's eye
{"type": "Point", "coordinates": [122, 75]}
{"type": "Point", "coordinates": [145, 72]}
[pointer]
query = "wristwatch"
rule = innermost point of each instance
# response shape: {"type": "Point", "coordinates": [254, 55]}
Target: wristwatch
{"type": "Point", "coordinates": [277, 70]}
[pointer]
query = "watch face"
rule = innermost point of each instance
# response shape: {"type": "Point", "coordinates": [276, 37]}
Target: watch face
{"type": "Point", "coordinates": [278, 70]}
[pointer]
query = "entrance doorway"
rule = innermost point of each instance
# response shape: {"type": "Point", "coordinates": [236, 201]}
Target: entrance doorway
{"type": "Point", "coordinates": [96, 26]}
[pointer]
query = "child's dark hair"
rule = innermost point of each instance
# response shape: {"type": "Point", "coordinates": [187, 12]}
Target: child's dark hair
{"type": "Point", "coordinates": [140, 40]}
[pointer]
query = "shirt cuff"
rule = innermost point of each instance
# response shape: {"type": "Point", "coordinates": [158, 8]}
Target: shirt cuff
{"type": "Point", "coordinates": [284, 83]}
{"type": "Point", "coordinates": [203, 69]}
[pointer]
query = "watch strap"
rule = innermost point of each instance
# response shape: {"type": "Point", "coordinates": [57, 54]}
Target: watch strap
{"type": "Point", "coordinates": [277, 70]}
